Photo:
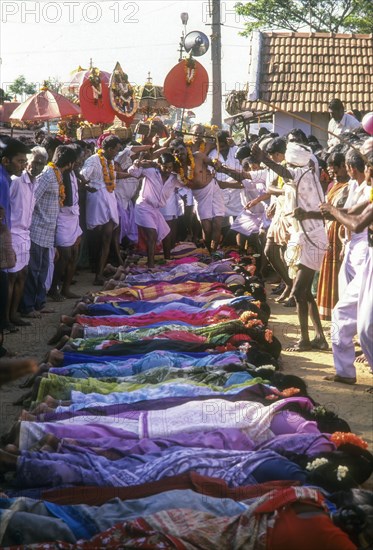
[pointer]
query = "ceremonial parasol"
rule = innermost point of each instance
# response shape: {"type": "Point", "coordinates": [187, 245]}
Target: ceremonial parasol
{"type": "Point", "coordinates": [151, 99]}
{"type": "Point", "coordinates": [45, 105]}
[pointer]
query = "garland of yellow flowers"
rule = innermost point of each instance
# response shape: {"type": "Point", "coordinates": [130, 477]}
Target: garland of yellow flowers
{"type": "Point", "coordinates": [190, 167]}
{"type": "Point", "coordinates": [61, 187]}
{"type": "Point", "coordinates": [190, 70]}
{"type": "Point", "coordinates": [109, 175]}
{"type": "Point", "coordinates": [202, 146]}
{"type": "Point", "coordinates": [341, 438]}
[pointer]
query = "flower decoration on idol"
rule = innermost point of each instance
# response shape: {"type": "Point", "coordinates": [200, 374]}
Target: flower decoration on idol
{"type": "Point", "coordinates": [95, 80]}
{"type": "Point", "coordinates": [190, 70]}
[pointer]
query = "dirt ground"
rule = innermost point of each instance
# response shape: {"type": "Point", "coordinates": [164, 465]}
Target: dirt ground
{"type": "Point", "coordinates": [352, 403]}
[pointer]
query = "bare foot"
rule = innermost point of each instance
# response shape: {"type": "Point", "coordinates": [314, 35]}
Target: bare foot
{"type": "Point", "coordinates": [32, 314]}
{"type": "Point", "coordinates": [67, 320]}
{"type": "Point", "coordinates": [77, 331]}
{"type": "Point", "coordinates": [55, 357]}
{"type": "Point", "coordinates": [361, 359]}
{"type": "Point", "coordinates": [81, 308]}
{"type": "Point", "coordinates": [63, 330]}
{"type": "Point", "coordinates": [62, 342]}
{"type": "Point", "coordinates": [302, 345]}
{"type": "Point", "coordinates": [341, 379]}
{"type": "Point", "coordinates": [70, 295]}
{"type": "Point", "coordinates": [110, 285]}
{"type": "Point", "coordinates": [25, 415]}
{"type": "Point", "coordinates": [109, 270]}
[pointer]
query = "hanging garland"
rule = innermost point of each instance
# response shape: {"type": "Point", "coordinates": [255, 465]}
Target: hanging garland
{"type": "Point", "coordinates": [109, 174]}
{"type": "Point", "coordinates": [191, 164]}
{"type": "Point", "coordinates": [61, 187]}
{"type": "Point", "coordinates": [190, 70]}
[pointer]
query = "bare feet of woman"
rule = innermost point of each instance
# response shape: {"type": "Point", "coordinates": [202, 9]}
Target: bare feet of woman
{"type": "Point", "coordinates": [80, 308]}
{"type": "Point", "coordinates": [55, 357]}
{"type": "Point", "coordinates": [63, 330]}
{"type": "Point", "coordinates": [67, 320]}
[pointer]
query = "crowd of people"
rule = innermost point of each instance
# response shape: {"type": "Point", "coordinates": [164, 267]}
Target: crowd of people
{"type": "Point", "coordinates": [164, 389]}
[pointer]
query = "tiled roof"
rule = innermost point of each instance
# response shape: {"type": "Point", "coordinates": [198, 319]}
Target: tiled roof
{"type": "Point", "coordinates": [303, 71]}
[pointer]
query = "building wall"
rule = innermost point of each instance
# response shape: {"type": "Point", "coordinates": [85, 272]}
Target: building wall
{"type": "Point", "coordinates": [284, 123]}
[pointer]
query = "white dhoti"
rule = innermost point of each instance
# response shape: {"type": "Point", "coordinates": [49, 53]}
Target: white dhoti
{"type": "Point", "coordinates": [147, 216]}
{"type": "Point", "coordinates": [21, 245]}
{"type": "Point", "coordinates": [365, 309]}
{"type": "Point", "coordinates": [353, 314]}
{"type": "Point", "coordinates": [355, 255]}
{"type": "Point", "coordinates": [209, 201]}
{"type": "Point", "coordinates": [101, 207]}
{"type": "Point", "coordinates": [68, 229]}
{"type": "Point", "coordinates": [306, 251]}
{"type": "Point", "coordinates": [247, 223]}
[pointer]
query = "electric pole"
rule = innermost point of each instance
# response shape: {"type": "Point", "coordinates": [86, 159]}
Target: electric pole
{"type": "Point", "coordinates": [216, 63]}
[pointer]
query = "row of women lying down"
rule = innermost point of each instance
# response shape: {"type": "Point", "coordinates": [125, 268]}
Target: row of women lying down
{"type": "Point", "coordinates": [195, 442]}
{"type": "Point", "coordinates": [177, 473]}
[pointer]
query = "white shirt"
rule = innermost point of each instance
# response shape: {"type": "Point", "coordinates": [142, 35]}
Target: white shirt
{"type": "Point", "coordinates": [22, 202]}
{"type": "Point", "coordinates": [347, 122]}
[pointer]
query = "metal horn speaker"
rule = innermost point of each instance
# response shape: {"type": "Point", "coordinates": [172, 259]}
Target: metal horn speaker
{"type": "Point", "coordinates": [196, 43]}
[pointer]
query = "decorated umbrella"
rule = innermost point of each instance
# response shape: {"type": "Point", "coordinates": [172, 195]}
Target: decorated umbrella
{"type": "Point", "coordinates": [151, 99]}
{"type": "Point", "coordinates": [45, 105]}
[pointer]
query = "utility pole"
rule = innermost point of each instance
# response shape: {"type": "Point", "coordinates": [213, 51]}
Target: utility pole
{"type": "Point", "coordinates": [216, 63]}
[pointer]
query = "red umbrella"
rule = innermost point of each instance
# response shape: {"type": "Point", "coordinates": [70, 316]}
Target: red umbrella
{"type": "Point", "coordinates": [45, 105]}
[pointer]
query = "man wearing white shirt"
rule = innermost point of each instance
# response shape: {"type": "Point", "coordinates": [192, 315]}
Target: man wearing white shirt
{"type": "Point", "coordinates": [339, 121]}
{"type": "Point", "coordinates": [101, 207]}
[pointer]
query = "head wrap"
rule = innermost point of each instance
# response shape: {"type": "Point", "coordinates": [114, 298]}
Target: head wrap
{"type": "Point", "coordinates": [297, 154]}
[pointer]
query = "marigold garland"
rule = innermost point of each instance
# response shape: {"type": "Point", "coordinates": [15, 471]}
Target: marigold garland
{"type": "Point", "coordinates": [61, 187]}
{"type": "Point", "coordinates": [190, 167]}
{"type": "Point", "coordinates": [190, 70]}
{"type": "Point", "coordinates": [341, 438]}
{"type": "Point", "coordinates": [109, 174]}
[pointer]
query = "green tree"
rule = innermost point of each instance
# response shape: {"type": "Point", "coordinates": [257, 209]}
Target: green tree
{"type": "Point", "coordinates": [4, 96]}
{"type": "Point", "coordinates": [355, 16]}
{"type": "Point", "coordinates": [20, 86]}
{"type": "Point", "coordinates": [54, 84]}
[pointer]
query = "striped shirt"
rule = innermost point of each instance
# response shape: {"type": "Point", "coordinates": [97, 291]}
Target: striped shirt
{"type": "Point", "coordinates": [44, 218]}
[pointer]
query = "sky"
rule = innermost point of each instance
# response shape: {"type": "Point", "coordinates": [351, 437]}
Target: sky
{"type": "Point", "coordinates": [52, 38]}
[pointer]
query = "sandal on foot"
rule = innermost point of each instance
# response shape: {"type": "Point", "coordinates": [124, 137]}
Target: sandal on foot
{"type": "Point", "coordinates": [341, 379]}
{"type": "Point", "coordinates": [290, 302]}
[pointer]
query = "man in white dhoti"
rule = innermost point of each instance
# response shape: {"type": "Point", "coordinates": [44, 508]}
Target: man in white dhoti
{"type": "Point", "coordinates": [193, 171]}
{"type": "Point", "coordinates": [159, 184]}
{"type": "Point", "coordinates": [68, 234]}
{"type": "Point", "coordinates": [226, 154]}
{"type": "Point", "coordinates": [22, 204]}
{"type": "Point", "coordinates": [101, 207]}
{"type": "Point", "coordinates": [308, 240]}
{"type": "Point", "coordinates": [354, 311]}
{"type": "Point", "coordinates": [126, 189]}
